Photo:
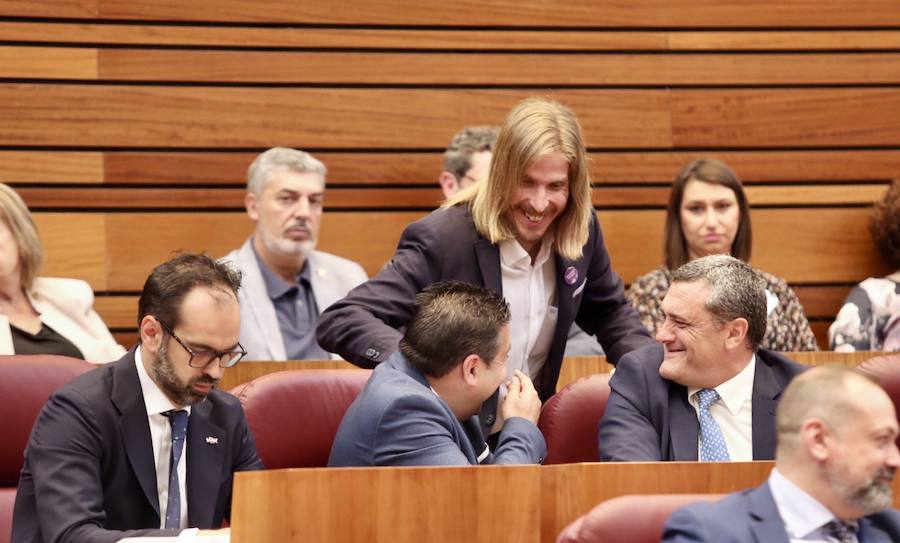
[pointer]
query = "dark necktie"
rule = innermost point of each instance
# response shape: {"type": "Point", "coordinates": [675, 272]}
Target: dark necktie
{"type": "Point", "coordinates": [843, 532]}
{"type": "Point", "coordinates": [712, 442]}
{"type": "Point", "coordinates": [179, 421]}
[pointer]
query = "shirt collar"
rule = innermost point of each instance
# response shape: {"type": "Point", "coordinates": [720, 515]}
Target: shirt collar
{"type": "Point", "coordinates": [155, 400]}
{"type": "Point", "coordinates": [735, 391]}
{"type": "Point", "coordinates": [513, 255]}
{"type": "Point", "coordinates": [802, 514]}
{"type": "Point", "coordinates": [276, 287]}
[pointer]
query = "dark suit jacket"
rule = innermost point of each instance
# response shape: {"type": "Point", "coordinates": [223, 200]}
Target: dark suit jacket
{"type": "Point", "coordinates": [752, 517]}
{"type": "Point", "coordinates": [89, 474]}
{"type": "Point", "coordinates": [398, 420]}
{"type": "Point", "coordinates": [366, 326]}
{"type": "Point", "coordinates": [649, 418]}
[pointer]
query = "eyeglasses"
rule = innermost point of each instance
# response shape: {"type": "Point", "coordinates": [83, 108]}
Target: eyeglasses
{"type": "Point", "coordinates": [226, 359]}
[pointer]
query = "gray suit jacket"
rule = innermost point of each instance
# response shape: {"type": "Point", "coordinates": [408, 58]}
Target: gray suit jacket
{"type": "Point", "coordinates": [398, 420]}
{"type": "Point", "coordinates": [89, 474]}
{"type": "Point", "coordinates": [332, 277]}
{"type": "Point", "coordinates": [752, 517]}
{"type": "Point", "coordinates": [648, 418]}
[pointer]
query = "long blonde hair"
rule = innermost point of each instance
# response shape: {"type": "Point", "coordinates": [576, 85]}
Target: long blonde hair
{"type": "Point", "coordinates": [15, 214]}
{"type": "Point", "coordinates": [534, 128]}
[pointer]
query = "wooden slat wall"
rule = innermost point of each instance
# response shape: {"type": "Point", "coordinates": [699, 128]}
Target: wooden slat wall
{"type": "Point", "coordinates": [128, 125]}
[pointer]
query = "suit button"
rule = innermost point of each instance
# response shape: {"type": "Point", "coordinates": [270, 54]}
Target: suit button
{"type": "Point", "coordinates": [489, 420]}
{"type": "Point", "coordinates": [372, 353]}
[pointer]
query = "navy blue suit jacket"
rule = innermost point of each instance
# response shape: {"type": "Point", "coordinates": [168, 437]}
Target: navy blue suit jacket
{"type": "Point", "coordinates": [752, 517]}
{"type": "Point", "coordinates": [398, 420]}
{"type": "Point", "coordinates": [89, 474]}
{"type": "Point", "coordinates": [648, 418]}
{"type": "Point", "coordinates": [366, 326]}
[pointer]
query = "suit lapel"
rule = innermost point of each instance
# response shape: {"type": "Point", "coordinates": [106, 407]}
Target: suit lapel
{"type": "Point", "coordinates": [206, 444]}
{"type": "Point", "coordinates": [129, 400]}
{"type": "Point", "coordinates": [488, 256]}
{"type": "Point", "coordinates": [253, 296]}
{"type": "Point", "coordinates": [684, 429]}
{"type": "Point", "coordinates": [765, 522]}
{"type": "Point", "coordinates": [765, 393]}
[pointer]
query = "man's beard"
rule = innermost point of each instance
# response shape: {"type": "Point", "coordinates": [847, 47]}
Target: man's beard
{"type": "Point", "coordinates": [288, 247]}
{"type": "Point", "coordinates": [873, 496]}
{"type": "Point", "coordinates": [164, 374]}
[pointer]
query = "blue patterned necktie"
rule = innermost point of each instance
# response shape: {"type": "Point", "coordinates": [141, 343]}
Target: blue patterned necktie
{"type": "Point", "coordinates": [712, 443]}
{"type": "Point", "coordinates": [179, 421]}
{"type": "Point", "coordinates": [843, 532]}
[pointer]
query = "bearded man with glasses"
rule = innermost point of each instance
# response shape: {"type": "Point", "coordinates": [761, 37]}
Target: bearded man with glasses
{"type": "Point", "coordinates": [108, 458]}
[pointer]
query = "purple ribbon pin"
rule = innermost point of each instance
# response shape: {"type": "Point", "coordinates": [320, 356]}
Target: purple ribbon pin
{"type": "Point", "coordinates": [571, 275]}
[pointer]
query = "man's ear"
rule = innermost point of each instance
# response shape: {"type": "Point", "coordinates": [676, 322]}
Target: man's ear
{"type": "Point", "coordinates": [737, 332]}
{"type": "Point", "coordinates": [250, 206]}
{"type": "Point", "coordinates": [449, 184]}
{"type": "Point", "coordinates": [151, 333]}
{"type": "Point", "coordinates": [471, 369]}
{"type": "Point", "coordinates": [817, 438]}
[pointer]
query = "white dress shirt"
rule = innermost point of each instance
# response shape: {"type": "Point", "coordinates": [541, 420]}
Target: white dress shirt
{"type": "Point", "coordinates": [803, 516]}
{"type": "Point", "coordinates": [733, 412]}
{"type": "Point", "coordinates": [530, 290]}
{"type": "Point", "coordinates": [156, 403]}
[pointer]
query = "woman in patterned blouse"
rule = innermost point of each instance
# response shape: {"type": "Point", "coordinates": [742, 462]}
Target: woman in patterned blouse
{"type": "Point", "coordinates": [708, 214]}
{"type": "Point", "coordinates": [870, 317]}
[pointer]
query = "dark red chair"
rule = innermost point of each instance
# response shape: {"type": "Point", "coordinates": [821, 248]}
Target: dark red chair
{"type": "Point", "coordinates": [569, 420]}
{"type": "Point", "coordinates": [294, 415]}
{"type": "Point", "coordinates": [26, 382]}
{"type": "Point", "coordinates": [629, 519]}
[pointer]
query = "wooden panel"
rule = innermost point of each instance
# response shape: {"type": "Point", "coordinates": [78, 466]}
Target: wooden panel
{"type": "Point", "coordinates": [48, 62]}
{"type": "Point", "coordinates": [362, 38]}
{"type": "Point", "coordinates": [56, 8]}
{"type": "Point", "coordinates": [50, 167]}
{"type": "Point", "coordinates": [606, 13]}
{"type": "Point", "coordinates": [407, 168]}
{"type": "Point", "coordinates": [249, 370]}
{"type": "Point", "coordinates": [809, 236]}
{"type": "Point", "coordinates": [752, 166]}
{"type": "Point", "coordinates": [368, 238]}
{"type": "Point", "coordinates": [75, 246]}
{"type": "Point", "coordinates": [796, 118]}
{"type": "Point", "coordinates": [823, 301]}
{"type": "Point", "coordinates": [496, 69]}
{"type": "Point", "coordinates": [118, 311]}
{"type": "Point", "coordinates": [217, 117]}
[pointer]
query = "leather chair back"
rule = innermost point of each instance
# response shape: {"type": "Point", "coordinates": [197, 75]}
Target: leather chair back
{"type": "Point", "coordinates": [570, 418]}
{"type": "Point", "coordinates": [294, 415]}
{"type": "Point", "coordinates": [629, 519]}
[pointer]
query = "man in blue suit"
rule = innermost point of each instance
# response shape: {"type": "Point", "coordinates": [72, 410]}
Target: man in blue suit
{"type": "Point", "coordinates": [420, 407]}
{"type": "Point", "coordinates": [832, 481]}
{"type": "Point", "coordinates": [707, 391]}
{"type": "Point", "coordinates": [145, 446]}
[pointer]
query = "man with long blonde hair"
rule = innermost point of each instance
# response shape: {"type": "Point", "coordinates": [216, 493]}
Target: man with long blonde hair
{"type": "Point", "coordinates": [528, 231]}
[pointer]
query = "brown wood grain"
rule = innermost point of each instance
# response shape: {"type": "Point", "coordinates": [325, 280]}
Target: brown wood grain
{"type": "Point", "coordinates": [789, 117]}
{"type": "Point", "coordinates": [48, 62]}
{"type": "Point", "coordinates": [422, 168]}
{"type": "Point", "coordinates": [452, 39]}
{"type": "Point", "coordinates": [105, 115]}
{"type": "Point", "coordinates": [496, 69]}
{"type": "Point", "coordinates": [57, 8]}
{"type": "Point", "coordinates": [604, 14]}
{"type": "Point", "coordinates": [248, 370]}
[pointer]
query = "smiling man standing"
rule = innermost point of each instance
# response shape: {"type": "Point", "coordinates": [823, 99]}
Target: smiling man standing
{"type": "Point", "coordinates": [145, 446]}
{"type": "Point", "coordinates": [707, 392]}
{"type": "Point", "coordinates": [527, 232]}
{"type": "Point", "coordinates": [286, 282]}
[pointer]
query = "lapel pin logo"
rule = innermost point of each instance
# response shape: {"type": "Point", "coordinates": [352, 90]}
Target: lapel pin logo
{"type": "Point", "coordinates": [571, 275]}
{"type": "Point", "coordinates": [212, 440]}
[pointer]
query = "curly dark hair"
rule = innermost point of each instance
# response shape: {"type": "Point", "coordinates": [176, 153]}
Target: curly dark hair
{"type": "Point", "coordinates": [885, 226]}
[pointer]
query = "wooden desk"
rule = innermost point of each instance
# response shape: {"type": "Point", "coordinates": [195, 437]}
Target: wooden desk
{"type": "Point", "coordinates": [473, 504]}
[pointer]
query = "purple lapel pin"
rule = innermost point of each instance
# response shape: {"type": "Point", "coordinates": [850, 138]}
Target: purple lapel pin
{"type": "Point", "coordinates": [571, 275]}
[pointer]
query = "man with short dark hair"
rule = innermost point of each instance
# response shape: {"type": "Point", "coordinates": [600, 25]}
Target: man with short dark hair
{"type": "Point", "coordinates": [145, 446]}
{"type": "Point", "coordinates": [834, 467]}
{"type": "Point", "coordinates": [708, 392]}
{"type": "Point", "coordinates": [420, 407]}
{"type": "Point", "coordinates": [468, 158]}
